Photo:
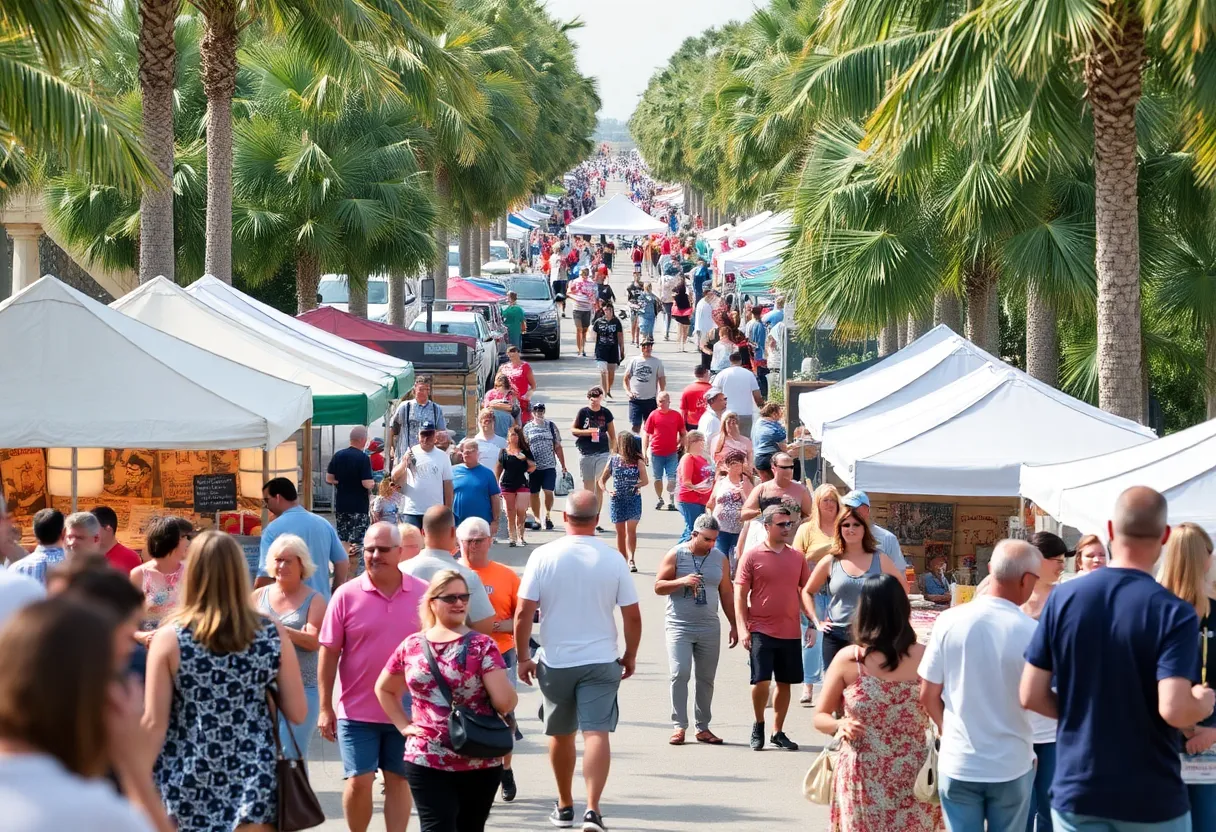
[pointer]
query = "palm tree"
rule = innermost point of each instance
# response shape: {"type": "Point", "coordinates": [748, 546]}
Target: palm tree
{"type": "Point", "coordinates": [157, 77]}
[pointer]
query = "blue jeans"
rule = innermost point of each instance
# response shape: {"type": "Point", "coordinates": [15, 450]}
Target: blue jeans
{"type": "Point", "coordinates": [665, 465]}
{"type": "Point", "coordinates": [967, 805]}
{"type": "Point", "coordinates": [302, 732]}
{"type": "Point", "coordinates": [690, 512]}
{"type": "Point", "coordinates": [812, 657]}
{"type": "Point", "coordinates": [1203, 806]}
{"type": "Point", "coordinates": [1040, 802]}
{"type": "Point", "coordinates": [1072, 822]}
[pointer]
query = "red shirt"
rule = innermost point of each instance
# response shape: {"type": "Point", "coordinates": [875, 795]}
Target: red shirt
{"type": "Point", "coordinates": [637, 255]}
{"type": "Point", "coordinates": [122, 558]}
{"type": "Point", "coordinates": [694, 469]}
{"type": "Point", "coordinates": [692, 402]}
{"type": "Point", "coordinates": [377, 460]}
{"type": "Point", "coordinates": [665, 248]}
{"type": "Point", "coordinates": [774, 579]}
{"type": "Point", "coordinates": [664, 431]}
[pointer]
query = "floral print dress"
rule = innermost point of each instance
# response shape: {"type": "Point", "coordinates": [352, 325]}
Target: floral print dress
{"type": "Point", "coordinates": [462, 662]}
{"type": "Point", "coordinates": [626, 502]}
{"type": "Point", "coordinates": [875, 774]}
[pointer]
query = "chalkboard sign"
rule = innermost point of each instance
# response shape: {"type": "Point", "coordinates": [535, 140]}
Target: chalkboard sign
{"type": "Point", "coordinates": [214, 492]}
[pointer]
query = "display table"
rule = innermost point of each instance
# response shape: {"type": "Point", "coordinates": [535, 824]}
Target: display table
{"type": "Point", "coordinates": [923, 620]}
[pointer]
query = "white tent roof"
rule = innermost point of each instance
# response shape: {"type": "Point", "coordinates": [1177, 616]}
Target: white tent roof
{"type": "Point", "coordinates": [514, 232]}
{"type": "Point", "coordinates": [929, 363]}
{"type": "Point", "coordinates": [749, 223]}
{"type": "Point", "coordinates": [531, 214]}
{"type": "Point", "coordinates": [154, 391]}
{"type": "Point", "coordinates": [358, 359]}
{"type": "Point", "coordinates": [718, 233]}
{"type": "Point", "coordinates": [617, 216]}
{"type": "Point", "coordinates": [761, 252]}
{"type": "Point", "coordinates": [969, 438]}
{"type": "Point", "coordinates": [1082, 493]}
{"type": "Point", "coordinates": [774, 225]}
{"type": "Point", "coordinates": [164, 305]}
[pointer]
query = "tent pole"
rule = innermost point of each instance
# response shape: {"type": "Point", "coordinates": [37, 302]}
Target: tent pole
{"type": "Point", "coordinates": [307, 445]}
{"type": "Point", "coordinates": [73, 480]}
{"type": "Point", "coordinates": [265, 479]}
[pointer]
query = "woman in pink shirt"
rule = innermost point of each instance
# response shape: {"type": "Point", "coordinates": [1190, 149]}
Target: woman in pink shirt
{"type": "Point", "coordinates": [694, 481]}
{"type": "Point", "coordinates": [452, 791]}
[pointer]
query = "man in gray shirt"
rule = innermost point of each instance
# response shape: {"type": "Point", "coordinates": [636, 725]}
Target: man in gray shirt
{"type": "Point", "coordinates": [695, 577]}
{"type": "Point", "coordinates": [439, 533]}
{"type": "Point", "coordinates": [888, 543]}
{"type": "Point", "coordinates": [644, 378]}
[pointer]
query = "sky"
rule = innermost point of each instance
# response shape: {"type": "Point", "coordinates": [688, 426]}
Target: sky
{"type": "Point", "coordinates": [625, 41]}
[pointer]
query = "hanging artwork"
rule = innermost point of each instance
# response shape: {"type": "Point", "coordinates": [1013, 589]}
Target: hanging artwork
{"type": "Point", "coordinates": [23, 474]}
{"type": "Point", "coordinates": [918, 523]}
{"type": "Point", "coordinates": [130, 473]}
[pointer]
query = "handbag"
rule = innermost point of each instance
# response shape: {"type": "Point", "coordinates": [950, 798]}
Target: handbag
{"type": "Point", "coordinates": [471, 734]}
{"type": "Point", "coordinates": [565, 484]}
{"type": "Point", "coordinates": [298, 804]}
{"type": "Point", "coordinates": [925, 787]}
{"type": "Point", "coordinates": [817, 785]}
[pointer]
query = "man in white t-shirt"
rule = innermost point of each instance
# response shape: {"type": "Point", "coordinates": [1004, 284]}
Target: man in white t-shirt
{"type": "Point", "coordinates": [425, 476]}
{"type": "Point", "coordinates": [577, 582]}
{"type": "Point", "coordinates": [741, 389]}
{"type": "Point", "coordinates": [710, 424]}
{"type": "Point", "coordinates": [986, 763]}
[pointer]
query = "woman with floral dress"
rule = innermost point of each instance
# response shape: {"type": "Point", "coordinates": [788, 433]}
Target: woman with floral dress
{"type": "Point", "coordinates": [726, 503]}
{"type": "Point", "coordinates": [628, 476]}
{"type": "Point", "coordinates": [453, 792]}
{"type": "Point", "coordinates": [874, 682]}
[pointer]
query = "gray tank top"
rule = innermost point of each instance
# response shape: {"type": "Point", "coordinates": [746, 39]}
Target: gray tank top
{"type": "Point", "coordinates": [684, 615]}
{"type": "Point", "coordinates": [846, 589]}
{"type": "Point", "coordinates": [296, 619]}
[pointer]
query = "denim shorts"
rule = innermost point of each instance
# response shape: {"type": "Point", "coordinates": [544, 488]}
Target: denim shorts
{"type": "Point", "coordinates": [542, 479]}
{"type": "Point", "coordinates": [665, 464]}
{"type": "Point", "coordinates": [367, 746]}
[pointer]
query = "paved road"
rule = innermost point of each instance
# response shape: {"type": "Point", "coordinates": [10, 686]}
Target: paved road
{"type": "Point", "coordinates": [653, 786]}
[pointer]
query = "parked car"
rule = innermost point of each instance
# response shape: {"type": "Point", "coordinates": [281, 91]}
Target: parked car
{"type": "Point", "coordinates": [469, 323]}
{"type": "Point", "coordinates": [490, 311]}
{"type": "Point", "coordinates": [334, 292]}
{"type": "Point", "coordinates": [499, 251]}
{"type": "Point", "coordinates": [544, 326]}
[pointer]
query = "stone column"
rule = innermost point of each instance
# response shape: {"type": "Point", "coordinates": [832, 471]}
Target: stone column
{"type": "Point", "coordinates": [25, 253]}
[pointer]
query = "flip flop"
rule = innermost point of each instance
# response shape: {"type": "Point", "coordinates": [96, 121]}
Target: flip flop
{"type": "Point", "coordinates": [708, 737]}
{"type": "Point", "coordinates": [677, 738]}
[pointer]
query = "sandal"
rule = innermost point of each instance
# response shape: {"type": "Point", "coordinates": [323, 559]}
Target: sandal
{"type": "Point", "coordinates": [633, 567]}
{"type": "Point", "coordinates": [709, 737]}
{"type": "Point", "coordinates": [677, 738]}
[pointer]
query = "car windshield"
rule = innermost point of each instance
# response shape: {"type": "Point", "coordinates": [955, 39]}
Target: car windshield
{"type": "Point", "coordinates": [453, 257]}
{"type": "Point", "coordinates": [334, 290]}
{"type": "Point", "coordinates": [447, 327]}
{"type": "Point", "coordinates": [499, 252]}
{"type": "Point", "coordinates": [530, 289]}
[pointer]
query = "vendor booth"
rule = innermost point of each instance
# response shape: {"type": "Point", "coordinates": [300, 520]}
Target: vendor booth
{"type": "Point", "coordinates": [1082, 493]}
{"type": "Point", "coordinates": [100, 408]}
{"type": "Point", "coordinates": [617, 216]}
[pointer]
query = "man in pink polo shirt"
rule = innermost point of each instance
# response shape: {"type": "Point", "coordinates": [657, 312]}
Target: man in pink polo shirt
{"type": "Point", "coordinates": [366, 621]}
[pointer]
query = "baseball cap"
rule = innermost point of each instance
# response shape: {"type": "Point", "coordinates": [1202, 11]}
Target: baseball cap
{"type": "Point", "coordinates": [427, 427]}
{"type": "Point", "coordinates": [713, 393]}
{"type": "Point", "coordinates": [855, 499]}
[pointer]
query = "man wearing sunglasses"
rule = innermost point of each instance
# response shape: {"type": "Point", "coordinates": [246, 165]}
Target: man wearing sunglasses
{"type": "Point", "coordinates": [768, 581]}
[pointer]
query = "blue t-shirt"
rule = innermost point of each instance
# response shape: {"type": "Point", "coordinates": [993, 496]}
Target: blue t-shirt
{"type": "Point", "coordinates": [756, 334]}
{"type": "Point", "coordinates": [1109, 637]}
{"type": "Point", "coordinates": [766, 434]}
{"type": "Point", "coordinates": [771, 318]}
{"type": "Point", "coordinates": [350, 467]}
{"type": "Point", "coordinates": [320, 536]}
{"type": "Point", "coordinates": [472, 489]}
{"type": "Point", "coordinates": [700, 275]}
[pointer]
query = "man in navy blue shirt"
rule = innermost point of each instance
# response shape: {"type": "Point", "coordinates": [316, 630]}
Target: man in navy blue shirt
{"type": "Point", "coordinates": [1120, 650]}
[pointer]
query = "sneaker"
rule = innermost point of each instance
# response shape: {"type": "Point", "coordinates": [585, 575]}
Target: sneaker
{"type": "Point", "coordinates": [757, 736]}
{"type": "Point", "coordinates": [593, 822]}
{"type": "Point", "coordinates": [780, 740]}
{"type": "Point", "coordinates": [599, 529]}
{"type": "Point", "coordinates": [531, 525]}
{"type": "Point", "coordinates": [659, 506]}
{"type": "Point", "coordinates": [562, 816]}
{"type": "Point", "coordinates": [508, 785]}
{"type": "Point", "coordinates": [549, 524]}
{"type": "Point", "coordinates": [512, 544]}
{"type": "Point", "coordinates": [671, 506]}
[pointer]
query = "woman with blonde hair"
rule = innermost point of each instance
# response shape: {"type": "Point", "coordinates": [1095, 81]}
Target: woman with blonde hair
{"type": "Point", "coordinates": [299, 609]}
{"type": "Point", "coordinates": [1091, 554]}
{"type": "Point", "coordinates": [854, 556]}
{"type": "Point", "coordinates": [814, 539]}
{"type": "Point", "coordinates": [1185, 567]}
{"type": "Point", "coordinates": [731, 439]}
{"type": "Point", "coordinates": [451, 791]}
{"type": "Point", "coordinates": [206, 703]}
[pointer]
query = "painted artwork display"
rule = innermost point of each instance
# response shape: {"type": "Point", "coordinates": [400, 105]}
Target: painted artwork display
{"type": "Point", "coordinates": [916, 524]}
{"type": "Point", "coordinates": [23, 474]}
{"type": "Point", "coordinates": [130, 473]}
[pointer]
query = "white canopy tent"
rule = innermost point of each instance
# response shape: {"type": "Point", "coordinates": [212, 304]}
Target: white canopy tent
{"type": "Point", "coordinates": [170, 394]}
{"type": "Point", "coordinates": [1082, 493]}
{"type": "Point", "coordinates": [164, 305]}
{"type": "Point", "coordinates": [360, 360]}
{"type": "Point", "coordinates": [514, 232]}
{"type": "Point", "coordinates": [762, 252]}
{"type": "Point", "coordinates": [617, 216]}
{"type": "Point", "coordinates": [929, 363]}
{"type": "Point", "coordinates": [748, 224]}
{"type": "Point", "coordinates": [718, 232]}
{"type": "Point", "coordinates": [774, 225]}
{"type": "Point", "coordinates": [969, 438]}
{"type": "Point", "coordinates": [532, 214]}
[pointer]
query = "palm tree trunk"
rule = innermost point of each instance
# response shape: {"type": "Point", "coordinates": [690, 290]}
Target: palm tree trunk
{"type": "Point", "coordinates": [946, 310]}
{"type": "Point", "coordinates": [483, 251]}
{"type": "Point", "coordinates": [1113, 86]}
{"type": "Point", "coordinates": [443, 199]}
{"type": "Point", "coordinates": [157, 68]}
{"type": "Point", "coordinates": [1042, 339]}
{"type": "Point", "coordinates": [1210, 366]}
{"type": "Point", "coordinates": [357, 291]}
{"type": "Point", "coordinates": [981, 291]}
{"type": "Point", "coordinates": [901, 331]}
{"type": "Point", "coordinates": [308, 278]}
{"type": "Point", "coordinates": [218, 53]}
{"type": "Point", "coordinates": [475, 260]}
{"type": "Point", "coordinates": [917, 326]}
{"type": "Point", "coordinates": [396, 298]}
{"type": "Point", "coordinates": [888, 339]}
{"type": "Point", "coordinates": [466, 259]}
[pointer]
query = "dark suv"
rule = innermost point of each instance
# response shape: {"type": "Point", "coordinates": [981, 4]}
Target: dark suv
{"type": "Point", "coordinates": [544, 329]}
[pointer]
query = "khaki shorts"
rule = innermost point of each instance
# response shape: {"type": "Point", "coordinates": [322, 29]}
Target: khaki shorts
{"type": "Point", "coordinates": [590, 467]}
{"type": "Point", "coordinates": [581, 698]}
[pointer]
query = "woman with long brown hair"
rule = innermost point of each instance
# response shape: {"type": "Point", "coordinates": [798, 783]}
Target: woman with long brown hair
{"type": "Point", "coordinates": [209, 672]}
{"type": "Point", "coordinates": [814, 539]}
{"type": "Point", "coordinates": [854, 556]}
{"type": "Point", "coordinates": [515, 464]}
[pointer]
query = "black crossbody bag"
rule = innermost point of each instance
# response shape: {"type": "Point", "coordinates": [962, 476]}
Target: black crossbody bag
{"type": "Point", "coordinates": [471, 734]}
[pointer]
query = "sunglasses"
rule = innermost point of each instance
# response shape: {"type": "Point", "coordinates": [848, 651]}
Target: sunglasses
{"type": "Point", "coordinates": [455, 598]}
{"type": "Point", "coordinates": [784, 525]}
{"type": "Point", "coordinates": [851, 526]}
{"type": "Point", "coordinates": [785, 467]}
{"type": "Point", "coordinates": [596, 396]}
